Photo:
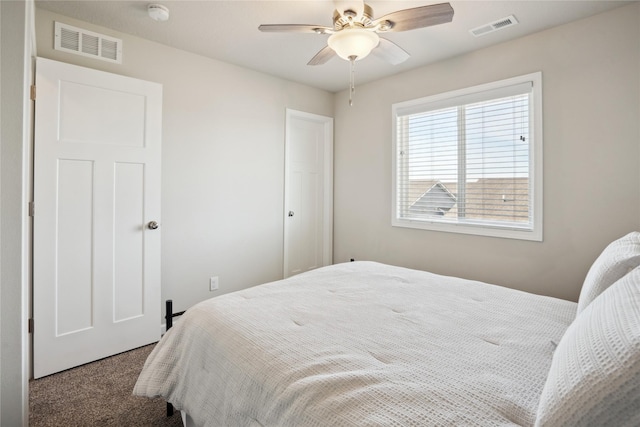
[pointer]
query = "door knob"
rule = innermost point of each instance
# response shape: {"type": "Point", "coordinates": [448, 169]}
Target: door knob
{"type": "Point", "coordinates": [290, 213]}
{"type": "Point", "coordinates": [152, 225]}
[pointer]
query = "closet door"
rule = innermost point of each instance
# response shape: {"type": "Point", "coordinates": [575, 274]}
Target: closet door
{"type": "Point", "coordinates": [308, 227]}
{"type": "Point", "coordinates": [96, 254]}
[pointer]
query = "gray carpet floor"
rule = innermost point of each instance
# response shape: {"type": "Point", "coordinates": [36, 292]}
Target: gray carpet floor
{"type": "Point", "coordinates": [97, 394]}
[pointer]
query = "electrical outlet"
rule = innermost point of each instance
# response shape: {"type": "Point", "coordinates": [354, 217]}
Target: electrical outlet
{"type": "Point", "coordinates": [213, 283]}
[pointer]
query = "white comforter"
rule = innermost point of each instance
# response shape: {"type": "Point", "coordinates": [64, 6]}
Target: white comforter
{"type": "Point", "coordinates": [361, 344]}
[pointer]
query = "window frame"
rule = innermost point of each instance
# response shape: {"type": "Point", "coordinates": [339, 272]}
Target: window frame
{"type": "Point", "coordinates": [482, 228]}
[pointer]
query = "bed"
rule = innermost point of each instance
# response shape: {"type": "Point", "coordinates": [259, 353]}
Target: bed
{"type": "Point", "coordinates": [368, 344]}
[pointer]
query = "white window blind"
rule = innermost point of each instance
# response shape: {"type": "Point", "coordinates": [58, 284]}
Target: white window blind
{"type": "Point", "coordinates": [466, 161]}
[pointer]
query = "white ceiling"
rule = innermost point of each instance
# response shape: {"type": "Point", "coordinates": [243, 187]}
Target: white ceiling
{"type": "Point", "coordinates": [228, 31]}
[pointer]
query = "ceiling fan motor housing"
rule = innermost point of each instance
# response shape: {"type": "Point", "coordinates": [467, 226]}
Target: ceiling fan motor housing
{"type": "Point", "coordinates": [350, 17]}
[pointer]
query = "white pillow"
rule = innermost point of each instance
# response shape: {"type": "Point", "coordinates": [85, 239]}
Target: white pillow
{"type": "Point", "coordinates": [594, 379]}
{"type": "Point", "coordinates": [617, 259]}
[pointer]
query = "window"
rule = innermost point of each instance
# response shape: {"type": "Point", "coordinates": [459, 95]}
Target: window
{"type": "Point", "coordinates": [470, 161]}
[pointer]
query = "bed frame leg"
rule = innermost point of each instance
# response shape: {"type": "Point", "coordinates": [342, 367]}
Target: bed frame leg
{"type": "Point", "coordinates": [169, 323]}
{"type": "Point", "coordinates": [169, 313]}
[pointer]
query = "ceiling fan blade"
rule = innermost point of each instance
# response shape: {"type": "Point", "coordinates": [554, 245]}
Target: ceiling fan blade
{"type": "Point", "coordinates": [323, 56]}
{"type": "Point", "coordinates": [417, 17]}
{"type": "Point", "coordinates": [390, 52]}
{"type": "Point", "coordinates": [295, 28]}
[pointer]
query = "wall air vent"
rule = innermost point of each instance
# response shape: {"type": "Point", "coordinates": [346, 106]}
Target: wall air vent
{"type": "Point", "coordinates": [509, 21]}
{"type": "Point", "coordinates": [87, 43]}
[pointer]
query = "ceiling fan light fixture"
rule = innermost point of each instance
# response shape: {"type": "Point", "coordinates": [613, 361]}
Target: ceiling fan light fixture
{"type": "Point", "coordinates": [353, 42]}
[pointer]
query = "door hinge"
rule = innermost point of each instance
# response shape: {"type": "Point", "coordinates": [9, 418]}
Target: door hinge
{"type": "Point", "coordinates": [30, 326]}
{"type": "Point", "coordinates": [32, 94]}
{"type": "Point", "coordinates": [32, 209]}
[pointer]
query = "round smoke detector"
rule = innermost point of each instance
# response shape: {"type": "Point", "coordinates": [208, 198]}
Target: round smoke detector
{"type": "Point", "coordinates": [158, 12]}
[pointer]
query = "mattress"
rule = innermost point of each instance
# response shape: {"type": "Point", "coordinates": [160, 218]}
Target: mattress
{"type": "Point", "coordinates": [363, 344]}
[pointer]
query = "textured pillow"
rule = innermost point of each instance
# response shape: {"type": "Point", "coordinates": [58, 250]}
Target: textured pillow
{"type": "Point", "coordinates": [617, 259]}
{"type": "Point", "coordinates": [594, 379]}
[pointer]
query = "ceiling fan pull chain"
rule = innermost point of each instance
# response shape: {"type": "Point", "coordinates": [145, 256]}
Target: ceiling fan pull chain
{"type": "Point", "coordinates": [352, 79]}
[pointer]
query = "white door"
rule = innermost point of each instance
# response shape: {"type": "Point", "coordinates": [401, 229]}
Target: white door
{"type": "Point", "coordinates": [96, 260]}
{"type": "Point", "coordinates": [308, 226]}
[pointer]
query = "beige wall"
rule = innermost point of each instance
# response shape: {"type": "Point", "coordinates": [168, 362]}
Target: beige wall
{"type": "Point", "coordinates": [591, 92]}
{"type": "Point", "coordinates": [223, 161]}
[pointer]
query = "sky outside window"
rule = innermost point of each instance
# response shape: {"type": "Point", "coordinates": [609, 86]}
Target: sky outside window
{"type": "Point", "coordinates": [495, 141]}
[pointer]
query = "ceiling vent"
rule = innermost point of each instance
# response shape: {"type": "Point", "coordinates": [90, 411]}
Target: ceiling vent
{"type": "Point", "coordinates": [509, 21]}
{"type": "Point", "coordinates": [87, 43]}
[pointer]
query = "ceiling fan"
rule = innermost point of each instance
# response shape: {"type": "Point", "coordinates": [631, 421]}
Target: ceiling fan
{"type": "Point", "coordinates": [355, 33]}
